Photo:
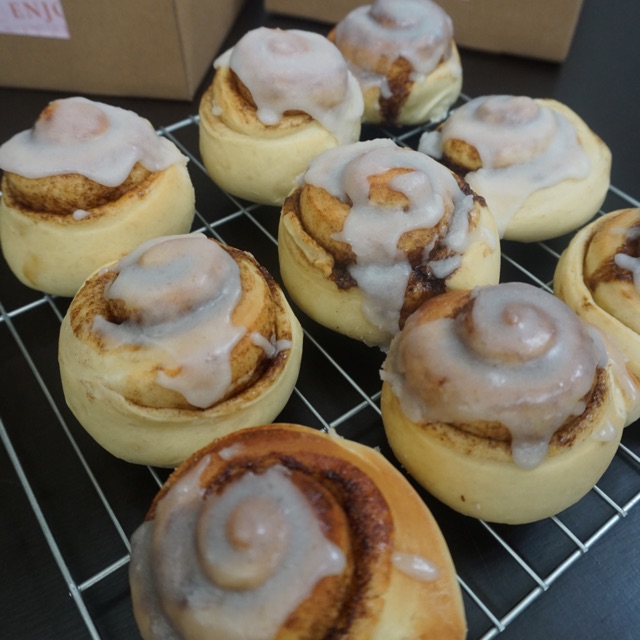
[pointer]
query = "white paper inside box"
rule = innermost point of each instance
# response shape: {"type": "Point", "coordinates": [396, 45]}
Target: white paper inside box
{"type": "Point", "coordinates": [542, 29]}
{"type": "Point", "coordinates": [144, 48]}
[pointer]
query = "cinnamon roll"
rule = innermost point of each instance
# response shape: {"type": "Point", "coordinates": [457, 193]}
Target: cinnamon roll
{"type": "Point", "coordinates": [540, 168]}
{"type": "Point", "coordinates": [403, 54]}
{"type": "Point", "coordinates": [599, 278]}
{"type": "Point", "coordinates": [182, 340]}
{"type": "Point", "coordinates": [508, 387]}
{"type": "Point", "coordinates": [373, 230]}
{"type": "Point", "coordinates": [277, 99]}
{"type": "Point", "coordinates": [281, 531]}
{"type": "Point", "coordinates": [84, 186]}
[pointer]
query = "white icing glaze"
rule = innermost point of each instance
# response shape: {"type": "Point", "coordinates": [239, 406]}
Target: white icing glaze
{"type": "Point", "coordinates": [80, 214]}
{"type": "Point", "coordinates": [208, 562]}
{"type": "Point", "coordinates": [524, 147]}
{"type": "Point", "coordinates": [519, 357]}
{"type": "Point", "coordinates": [96, 140]}
{"type": "Point", "coordinates": [382, 270]}
{"type": "Point", "coordinates": [415, 566]}
{"type": "Point", "coordinates": [417, 30]}
{"type": "Point", "coordinates": [297, 70]}
{"type": "Point", "coordinates": [184, 290]}
{"type": "Point", "coordinates": [231, 451]}
{"type": "Point", "coordinates": [612, 354]}
{"type": "Point", "coordinates": [630, 263]}
{"type": "Point", "coordinates": [270, 347]}
{"type": "Point", "coordinates": [606, 433]}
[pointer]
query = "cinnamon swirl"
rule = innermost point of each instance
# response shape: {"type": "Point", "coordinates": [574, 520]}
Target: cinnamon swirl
{"type": "Point", "coordinates": [507, 386]}
{"type": "Point", "coordinates": [281, 531]}
{"type": "Point", "coordinates": [84, 186]}
{"type": "Point", "coordinates": [405, 59]}
{"type": "Point", "coordinates": [180, 341]}
{"type": "Point", "coordinates": [374, 230]}
{"type": "Point", "coordinates": [277, 99]}
{"type": "Point", "coordinates": [540, 168]}
{"type": "Point", "coordinates": [599, 278]}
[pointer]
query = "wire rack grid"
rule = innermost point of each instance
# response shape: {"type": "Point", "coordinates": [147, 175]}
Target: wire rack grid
{"type": "Point", "coordinates": [79, 505]}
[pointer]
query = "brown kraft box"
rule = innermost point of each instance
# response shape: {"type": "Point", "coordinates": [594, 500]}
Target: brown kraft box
{"type": "Point", "coordinates": [140, 48]}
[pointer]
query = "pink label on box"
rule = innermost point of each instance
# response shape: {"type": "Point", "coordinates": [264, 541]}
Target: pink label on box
{"type": "Point", "coordinates": [44, 18]}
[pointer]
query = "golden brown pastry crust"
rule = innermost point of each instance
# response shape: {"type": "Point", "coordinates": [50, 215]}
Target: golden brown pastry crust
{"type": "Point", "coordinates": [408, 98]}
{"type": "Point", "coordinates": [315, 266]}
{"type": "Point", "coordinates": [250, 159]}
{"type": "Point", "coordinates": [86, 184]}
{"type": "Point", "coordinates": [559, 208]}
{"type": "Point", "coordinates": [487, 483]}
{"type": "Point", "coordinates": [588, 279]}
{"type": "Point", "coordinates": [51, 250]}
{"type": "Point", "coordinates": [367, 509]}
{"type": "Point", "coordinates": [116, 393]}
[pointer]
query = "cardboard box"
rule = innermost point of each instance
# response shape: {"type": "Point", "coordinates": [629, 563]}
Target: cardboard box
{"type": "Point", "coordinates": [133, 48]}
{"type": "Point", "coordinates": [543, 29]}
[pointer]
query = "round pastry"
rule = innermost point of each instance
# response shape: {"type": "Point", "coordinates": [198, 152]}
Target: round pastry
{"type": "Point", "coordinates": [277, 99]}
{"type": "Point", "coordinates": [403, 54]}
{"type": "Point", "coordinates": [84, 186]}
{"type": "Point", "coordinates": [540, 168]}
{"type": "Point", "coordinates": [503, 404]}
{"type": "Point", "coordinates": [373, 230]}
{"type": "Point", "coordinates": [281, 531]}
{"type": "Point", "coordinates": [598, 276]}
{"type": "Point", "coordinates": [180, 341]}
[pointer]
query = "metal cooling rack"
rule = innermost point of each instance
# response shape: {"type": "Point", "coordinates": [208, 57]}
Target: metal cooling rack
{"type": "Point", "coordinates": [86, 504]}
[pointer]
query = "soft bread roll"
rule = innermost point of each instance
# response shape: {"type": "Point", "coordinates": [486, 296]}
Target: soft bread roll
{"type": "Point", "coordinates": [597, 276]}
{"type": "Point", "coordinates": [180, 341]}
{"type": "Point", "coordinates": [503, 404]}
{"type": "Point", "coordinates": [540, 168]}
{"type": "Point", "coordinates": [83, 187]}
{"type": "Point", "coordinates": [374, 230]}
{"type": "Point", "coordinates": [403, 54]}
{"type": "Point", "coordinates": [277, 99]}
{"type": "Point", "coordinates": [281, 531]}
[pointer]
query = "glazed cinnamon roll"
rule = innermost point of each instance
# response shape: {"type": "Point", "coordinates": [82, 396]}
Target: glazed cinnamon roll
{"type": "Point", "coordinates": [599, 278]}
{"type": "Point", "coordinates": [507, 386]}
{"type": "Point", "coordinates": [403, 54]}
{"type": "Point", "coordinates": [84, 186]}
{"type": "Point", "coordinates": [277, 99]}
{"type": "Point", "coordinates": [374, 230]}
{"type": "Point", "coordinates": [540, 168]}
{"type": "Point", "coordinates": [180, 341]}
{"type": "Point", "coordinates": [281, 531]}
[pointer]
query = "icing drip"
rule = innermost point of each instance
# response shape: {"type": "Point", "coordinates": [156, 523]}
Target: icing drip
{"type": "Point", "coordinates": [630, 263]}
{"type": "Point", "coordinates": [611, 354]}
{"type": "Point", "coordinates": [297, 70]}
{"type": "Point", "coordinates": [514, 355]}
{"type": "Point", "coordinates": [80, 214]}
{"type": "Point", "coordinates": [98, 141]}
{"type": "Point", "coordinates": [382, 270]}
{"type": "Point", "coordinates": [607, 433]}
{"type": "Point", "coordinates": [209, 561]}
{"type": "Point", "coordinates": [378, 34]}
{"type": "Point", "coordinates": [270, 347]}
{"type": "Point", "coordinates": [180, 292]}
{"type": "Point", "coordinates": [415, 566]}
{"type": "Point", "coordinates": [523, 145]}
{"type": "Point", "coordinates": [231, 451]}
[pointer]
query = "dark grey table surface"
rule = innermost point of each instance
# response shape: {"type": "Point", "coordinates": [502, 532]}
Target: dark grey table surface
{"type": "Point", "coordinates": [67, 507]}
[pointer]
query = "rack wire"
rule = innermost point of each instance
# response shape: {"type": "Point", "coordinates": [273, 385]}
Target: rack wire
{"type": "Point", "coordinates": [85, 504]}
